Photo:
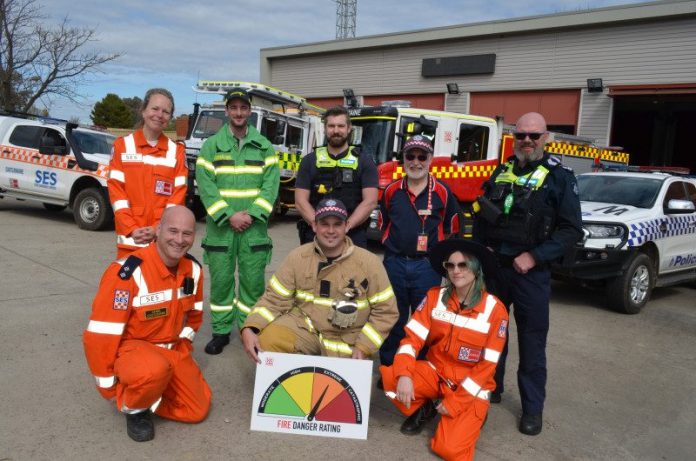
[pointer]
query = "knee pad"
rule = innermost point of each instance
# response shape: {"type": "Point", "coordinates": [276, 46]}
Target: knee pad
{"type": "Point", "coordinates": [276, 338]}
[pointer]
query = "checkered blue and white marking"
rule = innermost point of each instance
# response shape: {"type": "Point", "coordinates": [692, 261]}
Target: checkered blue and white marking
{"type": "Point", "coordinates": [647, 231]}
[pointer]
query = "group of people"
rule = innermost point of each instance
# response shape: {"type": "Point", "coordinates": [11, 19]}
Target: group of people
{"type": "Point", "coordinates": [442, 346]}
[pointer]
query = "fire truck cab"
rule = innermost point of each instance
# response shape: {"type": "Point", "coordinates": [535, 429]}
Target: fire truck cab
{"type": "Point", "coordinates": [467, 148]}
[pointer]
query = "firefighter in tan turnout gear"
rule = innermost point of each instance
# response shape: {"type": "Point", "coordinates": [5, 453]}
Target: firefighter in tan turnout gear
{"type": "Point", "coordinates": [328, 297]}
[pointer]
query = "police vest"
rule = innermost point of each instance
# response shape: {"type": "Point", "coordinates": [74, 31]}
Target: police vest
{"type": "Point", "coordinates": [527, 219]}
{"type": "Point", "coordinates": [337, 179]}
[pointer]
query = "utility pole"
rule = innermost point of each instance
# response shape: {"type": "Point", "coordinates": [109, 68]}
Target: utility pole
{"type": "Point", "coordinates": [346, 11]}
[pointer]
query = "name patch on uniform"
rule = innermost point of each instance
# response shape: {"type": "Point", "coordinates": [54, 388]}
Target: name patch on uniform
{"type": "Point", "coordinates": [125, 157]}
{"type": "Point", "coordinates": [444, 316]}
{"type": "Point", "coordinates": [163, 187]}
{"type": "Point", "coordinates": [502, 329]}
{"type": "Point", "coordinates": [467, 354]}
{"type": "Point", "coordinates": [152, 298]}
{"type": "Point", "coordinates": [421, 305]}
{"type": "Point", "coordinates": [121, 298]}
{"type": "Point", "coordinates": [154, 313]}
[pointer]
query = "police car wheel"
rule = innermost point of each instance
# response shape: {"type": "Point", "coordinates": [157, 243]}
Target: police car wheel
{"type": "Point", "coordinates": [52, 207]}
{"type": "Point", "coordinates": [629, 292]}
{"type": "Point", "coordinates": [91, 209]}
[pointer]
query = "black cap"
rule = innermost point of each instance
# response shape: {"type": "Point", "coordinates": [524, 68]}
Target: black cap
{"type": "Point", "coordinates": [238, 93]}
{"type": "Point", "coordinates": [330, 207]}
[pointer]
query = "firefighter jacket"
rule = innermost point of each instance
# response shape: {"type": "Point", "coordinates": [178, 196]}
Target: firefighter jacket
{"type": "Point", "coordinates": [236, 175]}
{"type": "Point", "coordinates": [307, 281]}
{"type": "Point", "coordinates": [143, 181]}
{"type": "Point", "coordinates": [463, 345]}
{"type": "Point", "coordinates": [337, 178]}
{"type": "Point", "coordinates": [535, 209]}
{"type": "Point", "coordinates": [140, 298]}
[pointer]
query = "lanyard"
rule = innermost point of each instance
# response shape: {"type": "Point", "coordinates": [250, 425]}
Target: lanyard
{"type": "Point", "coordinates": [423, 214]}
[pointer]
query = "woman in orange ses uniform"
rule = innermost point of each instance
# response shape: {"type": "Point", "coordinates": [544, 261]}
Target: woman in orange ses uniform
{"type": "Point", "coordinates": [464, 328]}
{"type": "Point", "coordinates": [147, 174]}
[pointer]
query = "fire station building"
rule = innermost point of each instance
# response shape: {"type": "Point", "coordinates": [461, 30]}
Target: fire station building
{"type": "Point", "coordinates": [623, 76]}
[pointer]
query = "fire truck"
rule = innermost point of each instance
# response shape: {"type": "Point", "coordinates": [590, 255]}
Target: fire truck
{"type": "Point", "coordinates": [291, 124]}
{"type": "Point", "coordinates": [467, 148]}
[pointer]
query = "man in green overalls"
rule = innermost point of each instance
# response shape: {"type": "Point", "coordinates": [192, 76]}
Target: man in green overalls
{"type": "Point", "coordinates": [238, 176]}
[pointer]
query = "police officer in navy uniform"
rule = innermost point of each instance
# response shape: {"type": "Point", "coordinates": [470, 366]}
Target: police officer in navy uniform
{"type": "Point", "coordinates": [338, 171]}
{"type": "Point", "coordinates": [529, 215]}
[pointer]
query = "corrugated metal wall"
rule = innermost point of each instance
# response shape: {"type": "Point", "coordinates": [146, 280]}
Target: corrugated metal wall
{"type": "Point", "coordinates": [640, 53]}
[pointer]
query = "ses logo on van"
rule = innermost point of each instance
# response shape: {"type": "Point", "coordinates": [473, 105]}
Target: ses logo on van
{"type": "Point", "coordinates": [45, 179]}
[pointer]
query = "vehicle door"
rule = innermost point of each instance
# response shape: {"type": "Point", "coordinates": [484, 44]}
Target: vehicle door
{"type": "Point", "coordinates": [678, 230]}
{"type": "Point", "coordinates": [19, 148]}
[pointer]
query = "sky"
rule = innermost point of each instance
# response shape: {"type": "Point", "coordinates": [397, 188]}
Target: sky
{"type": "Point", "coordinates": [172, 44]}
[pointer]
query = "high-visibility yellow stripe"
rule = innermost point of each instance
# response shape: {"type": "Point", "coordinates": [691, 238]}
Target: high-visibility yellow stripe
{"type": "Point", "coordinates": [263, 203]}
{"type": "Point", "coordinates": [382, 295]}
{"type": "Point", "coordinates": [215, 207]}
{"type": "Point", "coordinates": [372, 335]}
{"type": "Point", "coordinates": [271, 161]}
{"type": "Point", "coordinates": [263, 312]}
{"type": "Point", "coordinates": [337, 346]}
{"type": "Point", "coordinates": [205, 164]}
{"type": "Point", "coordinates": [239, 193]}
{"type": "Point", "coordinates": [239, 170]}
{"type": "Point", "coordinates": [242, 307]}
{"type": "Point", "coordinates": [278, 287]}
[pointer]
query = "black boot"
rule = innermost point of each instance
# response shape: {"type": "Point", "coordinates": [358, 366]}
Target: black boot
{"type": "Point", "coordinates": [217, 344]}
{"type": "Point", "coordinates": [139, 426]}
{"type": "Point", "coordinates": [414, 423]}
{"type": "Point", "coordinates": [530, 424]}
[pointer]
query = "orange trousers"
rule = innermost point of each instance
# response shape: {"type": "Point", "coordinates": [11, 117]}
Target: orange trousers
{"type": "Point", "coordinates": [455, 437]}
{"type": "Point", "coordinates": [147, 372]}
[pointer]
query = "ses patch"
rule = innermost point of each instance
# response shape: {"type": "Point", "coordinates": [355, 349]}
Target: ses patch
{"type": "Point", "coordinates": [163, 187]}
{"type": "Point", "coordinates": [467, 354]}
{"type": "Point", "coordinates": [502, 329]}
{"type": "Point", "coordinates": [121, 298]}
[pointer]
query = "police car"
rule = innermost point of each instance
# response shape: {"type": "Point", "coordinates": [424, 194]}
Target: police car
{"type": "Point", "coordinates": [57, 163]}
{"type": "Point", "coordinates": [639, 233]}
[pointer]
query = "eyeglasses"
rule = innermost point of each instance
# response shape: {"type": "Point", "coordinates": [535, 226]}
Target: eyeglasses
{"type": "Point", "coordinates": [411, 157]}
{"type": "Point", "coordinates": [460, 265]}
{"type": "Point", "coordinates": [533, 136]}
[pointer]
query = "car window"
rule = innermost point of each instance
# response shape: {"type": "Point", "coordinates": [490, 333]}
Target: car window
{"type": "Point", "coordinates": [624, 190]}
{"type": "Point", "coordinates": [26, 136]}
{"type": "Point", "coordinates": [691, 192]}
{"type": "Point", "coordinates": [93, 143]}
{"type": "Point", "coordinates": [675, 191]}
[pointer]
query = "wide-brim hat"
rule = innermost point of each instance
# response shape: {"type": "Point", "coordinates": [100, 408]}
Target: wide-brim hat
{"type": "Point", "coordinates": [441, 251]}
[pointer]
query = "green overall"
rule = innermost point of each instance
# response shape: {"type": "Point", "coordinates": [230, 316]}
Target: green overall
{"type": "Point", "coordinates": [236, 175]}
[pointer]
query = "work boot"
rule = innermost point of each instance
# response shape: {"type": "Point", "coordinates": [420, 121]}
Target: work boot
{"type": "Point", "coordinates": [414, 423]}
{"type": "Point", "coordinates": [496, 397]}
{"type": "Point", "coordinates": [217, 344]}
{"type": "Point", "coordinates": [139, 426]}
{"type": "Point", "coordinates": [530, 424]}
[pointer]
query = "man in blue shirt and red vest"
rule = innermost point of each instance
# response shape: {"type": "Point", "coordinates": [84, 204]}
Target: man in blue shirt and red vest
{"type": "Point", "coordinates": [416, 211]}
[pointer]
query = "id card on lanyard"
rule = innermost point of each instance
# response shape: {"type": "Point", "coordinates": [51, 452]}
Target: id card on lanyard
{"type": "Point", "coordinates": [422, 241]}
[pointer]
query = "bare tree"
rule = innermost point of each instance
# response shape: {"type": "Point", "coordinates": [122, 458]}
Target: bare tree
{"type": "Point", "coordinates": [36, 61]}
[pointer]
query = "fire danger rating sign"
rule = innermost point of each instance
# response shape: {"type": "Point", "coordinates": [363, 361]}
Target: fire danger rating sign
{"type": "Point", "coordinates": [311, 395]}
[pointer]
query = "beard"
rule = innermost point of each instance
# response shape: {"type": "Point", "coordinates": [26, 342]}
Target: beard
{"type": "Point", "coordinates": [524, 157]}
{"type": "Point", "coordinates": [337, 140]}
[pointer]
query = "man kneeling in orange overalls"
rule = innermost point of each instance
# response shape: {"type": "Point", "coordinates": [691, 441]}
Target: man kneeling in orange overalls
{"type": "Point", "coordinates": [139, 339]}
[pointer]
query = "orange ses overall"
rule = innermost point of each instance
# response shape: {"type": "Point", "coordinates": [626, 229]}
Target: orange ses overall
{"type": "Point", "coordinates": [138, 341]}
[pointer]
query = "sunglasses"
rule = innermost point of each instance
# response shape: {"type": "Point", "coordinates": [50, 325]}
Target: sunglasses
{"type": "Point", "coordinates": [460, 265]}
{"type": "Point", "coordinates": [533, 136]}
{"type": "Point", "coordinates": [421, 157]}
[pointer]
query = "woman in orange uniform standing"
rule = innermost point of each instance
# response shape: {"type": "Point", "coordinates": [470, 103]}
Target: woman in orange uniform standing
{"type": "Point", "coordinates": [147, 174]}
{"type": "Point", "coordinates": [464, 328]}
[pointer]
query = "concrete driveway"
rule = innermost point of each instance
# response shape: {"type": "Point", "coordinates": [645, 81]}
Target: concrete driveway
{"type": "Point", "coordinates": [620, 387]}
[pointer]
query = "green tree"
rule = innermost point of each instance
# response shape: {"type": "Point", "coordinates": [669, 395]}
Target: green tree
{"type": "Point", "coordinates": [134, 103]}
{"type": "Point", "coordinates": [112, 112]}
{"type": "Point", "coordinates": [37, 61]}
